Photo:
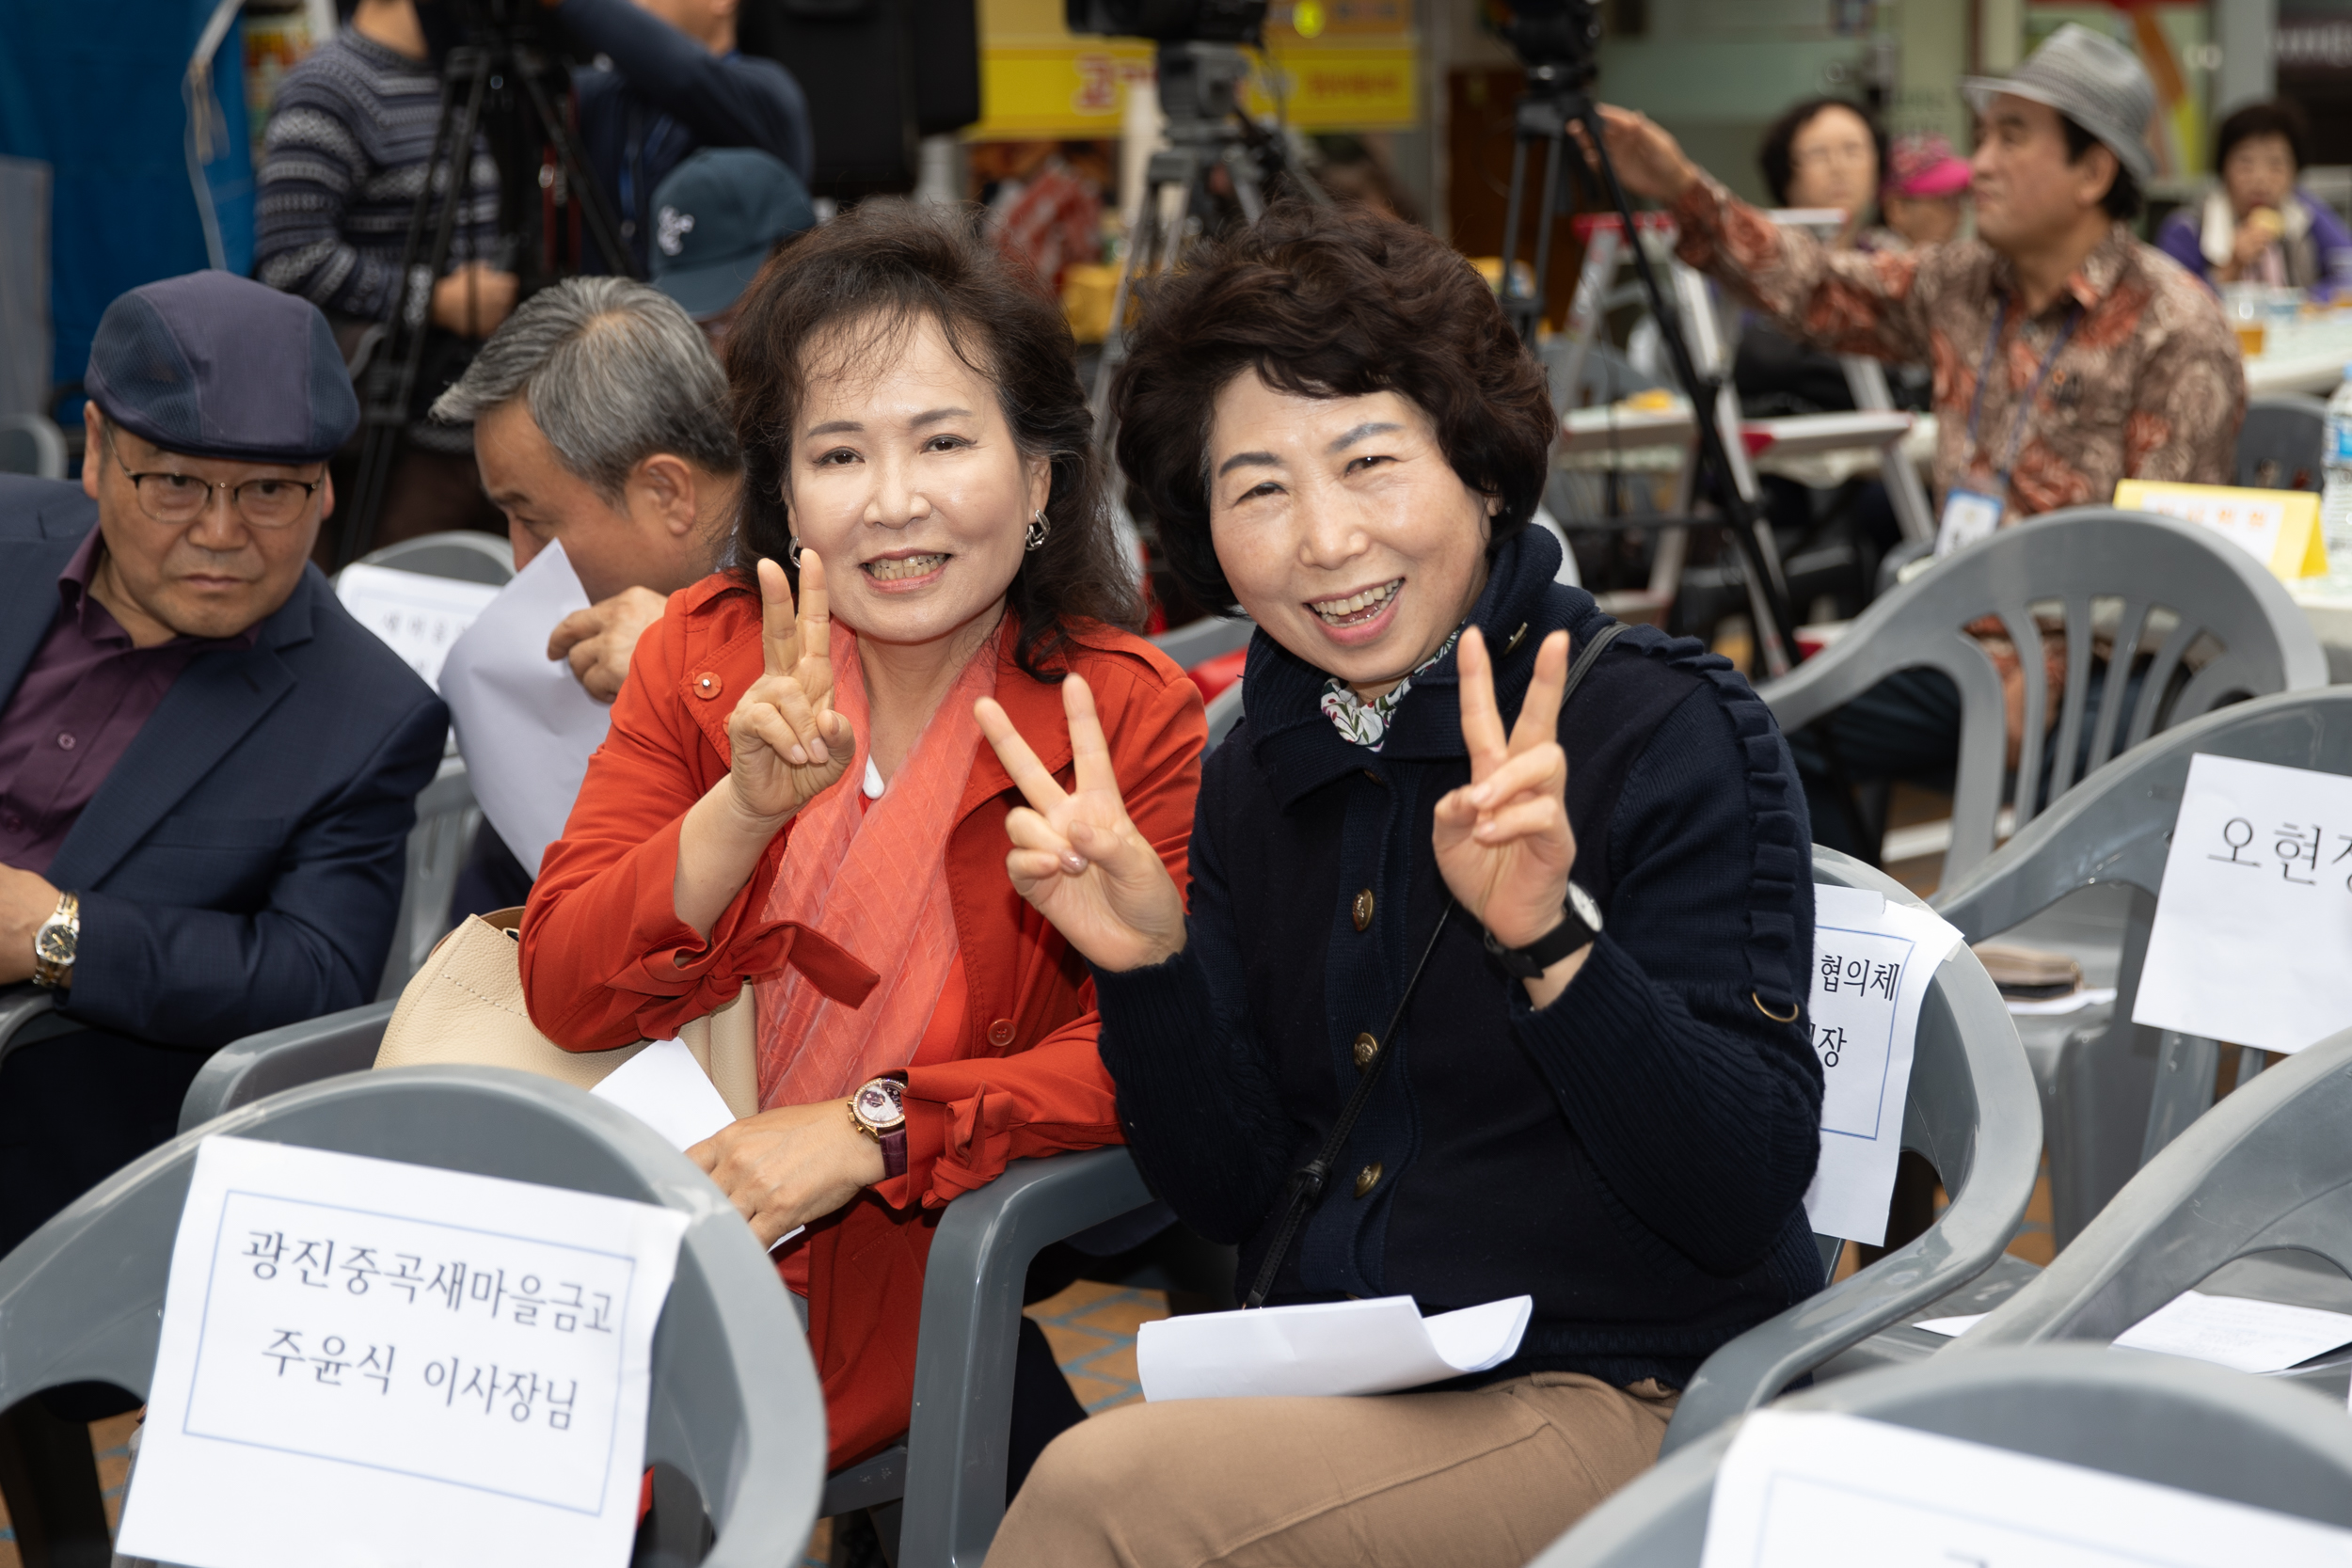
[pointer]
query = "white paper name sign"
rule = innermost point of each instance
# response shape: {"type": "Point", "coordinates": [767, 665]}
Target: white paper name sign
{"type": "Point", "coordinates": [365, 1362]}
{"type": "Point", "coordinates": [2253, 932]}
{"type": "Point", "coordinates": [1872, 964]}
{"type": "Point", "coordinates": [419, 617]}
{"type": "Point", "coordinates": [1812, 1489]}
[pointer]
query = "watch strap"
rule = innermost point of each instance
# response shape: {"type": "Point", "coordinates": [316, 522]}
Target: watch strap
{"type": "Point", "coordinates": [893, 1152]}
{"type": "Point", "coordinates": [1571, 936]}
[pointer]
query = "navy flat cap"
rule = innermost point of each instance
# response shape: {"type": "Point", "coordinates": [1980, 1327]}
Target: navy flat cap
{"type": "Point", "coordinates": [214, 365]}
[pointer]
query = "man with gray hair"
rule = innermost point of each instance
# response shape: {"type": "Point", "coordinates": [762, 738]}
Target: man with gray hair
{"type": "Point", "coordinates": [600, 419]}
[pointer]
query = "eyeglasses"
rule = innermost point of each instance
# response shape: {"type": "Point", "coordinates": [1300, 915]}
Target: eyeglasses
{"type": "Point", "coordinates": [1849, 153]}
{"type": "Point", "coordinates": [177, 500]}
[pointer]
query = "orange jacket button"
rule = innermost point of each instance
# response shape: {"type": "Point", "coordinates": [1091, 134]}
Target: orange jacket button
{"type": "Point", "coordinates": [709, 685]}
{"type": "Point", "coordinates": [1000, 1033]}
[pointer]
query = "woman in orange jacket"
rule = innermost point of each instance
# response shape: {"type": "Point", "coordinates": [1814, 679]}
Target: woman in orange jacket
{"type": "Point", "coordinates": [799, 796]}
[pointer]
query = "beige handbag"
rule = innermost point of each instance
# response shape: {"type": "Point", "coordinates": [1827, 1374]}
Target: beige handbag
{"type": "Point", "coordinates": [464, 1007]}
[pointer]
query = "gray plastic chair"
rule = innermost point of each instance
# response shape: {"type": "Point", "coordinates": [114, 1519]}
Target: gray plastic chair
{"type": "Point", "coordinates": [736, 1405]}
{"type": "Point", "coordinates": [1971, 1113]}
{"type": "Point", "coordinates": [1198, 641]}
{"type": "Point", "coordinates": [2114, 1093]}
{"type": "Point", "coordinates": [461, 553]}
{"type": "Point", "coordinates": [437, 845]}
{"type": "Point", "coordinates": [2220, 595]}
{"type": "Point", "coordinates": [32, 444]}
{"type": "Point", "coordinates": [2156, 1419]}
{"type": "Point", "coordinates": [951, 1469]}
{"type": "Point", "coordinates": [2282, 446]}
{"type": "Point", "coordinates": [2253, 1199]}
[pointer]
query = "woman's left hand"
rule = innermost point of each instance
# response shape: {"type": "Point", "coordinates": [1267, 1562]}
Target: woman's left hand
{"type": "Point", "coordinates": [1503, 842]}
{"type": "Point", "coordinates": [785, 1167]}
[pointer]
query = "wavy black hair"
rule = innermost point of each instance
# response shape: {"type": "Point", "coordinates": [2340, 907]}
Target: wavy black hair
{"type": "Point", "coordinates": [876, 272]}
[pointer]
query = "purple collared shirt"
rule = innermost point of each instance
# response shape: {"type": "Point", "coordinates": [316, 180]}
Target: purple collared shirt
{"type": "Point", "coordinates": [75, 712]}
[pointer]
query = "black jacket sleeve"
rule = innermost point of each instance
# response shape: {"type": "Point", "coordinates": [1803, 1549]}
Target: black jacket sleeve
{"type": "Point", "coordinates": [1176, 1040]}
{"type": "Point", "coordinates": [1701, 1113]}
{"type": "Point", "coordinates": [727, 101]}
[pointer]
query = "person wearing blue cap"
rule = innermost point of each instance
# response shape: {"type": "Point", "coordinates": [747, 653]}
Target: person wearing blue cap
{"type": "Point", "coordinates": [717, 219]}
{"type": "Point", "coordinates": [207, 767]}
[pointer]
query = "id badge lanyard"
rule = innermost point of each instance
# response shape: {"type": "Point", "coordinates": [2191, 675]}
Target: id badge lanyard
{"type": "Point", "coordinates": [2000, 497]}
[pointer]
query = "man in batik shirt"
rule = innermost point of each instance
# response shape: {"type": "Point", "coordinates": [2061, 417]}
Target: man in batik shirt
{"type": "Point", "coordinates": [2066, 354]}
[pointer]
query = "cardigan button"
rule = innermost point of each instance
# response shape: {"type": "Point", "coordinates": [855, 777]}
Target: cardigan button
{"type": "Point", "coordinates": [1367, 1179]}
{"type": "Point", "coordinates": [1366, 1049]}
{"type": "Point", "coordinates": [1363, 911]}
{"type": "Point", "coordinates": [709, 685]}
{"type": "Point", "coordinates": [1000, 1033]}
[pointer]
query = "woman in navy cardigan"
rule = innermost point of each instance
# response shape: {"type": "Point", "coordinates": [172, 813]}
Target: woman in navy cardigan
{"type": "Point", "coordinates": [1603, 1094]}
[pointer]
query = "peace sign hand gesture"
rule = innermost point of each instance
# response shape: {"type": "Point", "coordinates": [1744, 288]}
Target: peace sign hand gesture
{"type": "Point", "coordinates": [1077, 856]}
{"type": "Point", "coordinates": [787, 741]}
{"type": "Point", "coordinates": [1503, 842]}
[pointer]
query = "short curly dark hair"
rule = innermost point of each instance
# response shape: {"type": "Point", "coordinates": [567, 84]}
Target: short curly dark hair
{"type": "Point", "coordinates": [877, 270]}
{"type": "Point", "coordinates": [1326, 302]}
{"type": "Point", "coordinates": [2281, 116]}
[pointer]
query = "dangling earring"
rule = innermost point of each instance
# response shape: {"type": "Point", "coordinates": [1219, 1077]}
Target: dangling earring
{"type": "Point", "coordinates": [1035, 534]}
{"type": "Point", "coordinates": [793, 550]}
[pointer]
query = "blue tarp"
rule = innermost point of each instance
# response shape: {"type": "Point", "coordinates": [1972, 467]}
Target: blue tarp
{"type": "Point", "coordinates": [92, 87]}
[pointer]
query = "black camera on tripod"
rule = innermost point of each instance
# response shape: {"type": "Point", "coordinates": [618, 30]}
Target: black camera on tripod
{"type": "Point", "coordinates": [1169, 21]}
{"type": "Point", "coordinates": [1559, 38]}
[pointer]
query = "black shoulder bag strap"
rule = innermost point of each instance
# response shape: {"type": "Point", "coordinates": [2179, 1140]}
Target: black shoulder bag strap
{"type": "Point", "coordinates": [1307, 1181]}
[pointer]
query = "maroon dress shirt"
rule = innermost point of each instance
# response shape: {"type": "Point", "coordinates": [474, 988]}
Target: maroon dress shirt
{"type": "Point", "coordinates": [75, 712]}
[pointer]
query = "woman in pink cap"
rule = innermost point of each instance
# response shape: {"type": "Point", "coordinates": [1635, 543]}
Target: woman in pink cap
{"type": "Point", "coordinates": [1925, 181]}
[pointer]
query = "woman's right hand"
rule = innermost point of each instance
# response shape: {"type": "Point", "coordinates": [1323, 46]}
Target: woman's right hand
{"type": "Point", "coordinates": [787, 744]}
{"type": "Point", "coordinates": [1077, 856]}
{"type": "Point", "coordinates": [1648, 160]}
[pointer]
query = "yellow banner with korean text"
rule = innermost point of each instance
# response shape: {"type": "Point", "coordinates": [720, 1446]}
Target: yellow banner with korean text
{"type": "Point", "coordinates": [1352, 68]}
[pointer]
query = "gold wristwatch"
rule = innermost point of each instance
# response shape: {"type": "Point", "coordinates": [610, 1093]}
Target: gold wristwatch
{"type": "Point", "coordinates": [55, 943]}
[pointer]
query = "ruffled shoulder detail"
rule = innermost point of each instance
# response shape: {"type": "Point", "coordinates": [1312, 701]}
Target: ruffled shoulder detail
{"type": "Point", "coordinates": [1776, 801]}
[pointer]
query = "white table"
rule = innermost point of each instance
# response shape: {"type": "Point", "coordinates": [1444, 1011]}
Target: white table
{"type": "Point", "coordinates": [2309, 357]}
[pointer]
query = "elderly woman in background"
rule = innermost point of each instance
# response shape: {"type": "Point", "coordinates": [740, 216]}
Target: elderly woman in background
{"type": "Point", "coordinates": [2256, 227]}
{"type": "Point", "coordinates": [799, 796]}
{"type": "Point", "coordinates": [1603, 1093]}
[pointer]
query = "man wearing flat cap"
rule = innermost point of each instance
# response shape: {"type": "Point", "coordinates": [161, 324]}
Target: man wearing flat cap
{"type": "Point", "coordinates": [207, 767]}
{"type": "Point", "coordinates": [2066, 355]}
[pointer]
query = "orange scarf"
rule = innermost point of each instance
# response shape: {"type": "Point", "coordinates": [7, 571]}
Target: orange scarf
{"type": "Point", "coordinates": [875, 880]}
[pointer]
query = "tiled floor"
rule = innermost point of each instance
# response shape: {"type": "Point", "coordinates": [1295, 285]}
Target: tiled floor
{"type": "Point", "coordinates": [111, 1439]}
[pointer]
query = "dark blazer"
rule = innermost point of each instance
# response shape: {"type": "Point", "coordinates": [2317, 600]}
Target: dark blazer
{"type": "Point", "coordinates": [241, 867]}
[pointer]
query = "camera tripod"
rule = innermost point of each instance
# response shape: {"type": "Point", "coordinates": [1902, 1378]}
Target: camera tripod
{"type": "Point", "coordinates": [501, 88]}
{"type": "Point", "coordinates": [1200, 90]}
{"type": "Point", "coordinates": [1559, 94]}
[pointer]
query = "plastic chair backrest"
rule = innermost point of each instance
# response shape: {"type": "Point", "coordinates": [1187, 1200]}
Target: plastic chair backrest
{"type": "Point", "coordinates": [2220, 595]}
{"type": "Point", "coordinates": [1199, 641]}
{"type": "Point", "coordinates": [1972, 1113]}
{"type": "Point", "coordinates": [460, 553]}
{"type": "Point", "coordinates": [276, 1060]}
{"type": "Point", "coordinates": [438, 845]}
{"type": "Point", "coordinates": [2117, 826]}
{"type": "Point", "coordinates": [2163, 1419]}
{"type": "Point", "coordinates": [736, 1404]}
{"type": "Point", "coordinates": [2282, 446]}
{"type": "Point", "coordinates": [31, 444]}
{"type": "Point", "coordinates": [2269, 1167]}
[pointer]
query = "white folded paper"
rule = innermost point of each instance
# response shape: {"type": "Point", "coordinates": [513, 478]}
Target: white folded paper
{"type": "Point", "coordinates": [1341, 1347]}
{"type": "Point", "coordinates": [524, 724]}
{"type": "Point", "coordinates": [419, 617]}
{"type": "Point", "coordinates": [2237, 1332]}
{"type": "Point", "coordinates": [2053, 1006]}
{"type": "Point", "coordinates": [1814, 1489]}
{"type": "Point", "coordinates": [1872, 963]}
{"type": "Point", "coordinates": [2255, 915]}
{"type": "Point", "coordinates": [664, 1087]}
{"type": "Point", "coordinates": [364, 1362]}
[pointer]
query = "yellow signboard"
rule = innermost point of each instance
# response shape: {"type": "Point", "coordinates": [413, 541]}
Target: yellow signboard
{"type": "Point", "coordinates": [1353, 71]}
{"type": "Point", "coordinates": [2279, 526]}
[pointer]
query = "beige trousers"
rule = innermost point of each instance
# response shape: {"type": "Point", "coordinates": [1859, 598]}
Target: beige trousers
{"type": "Point", "coordinates": [1479, 1480]}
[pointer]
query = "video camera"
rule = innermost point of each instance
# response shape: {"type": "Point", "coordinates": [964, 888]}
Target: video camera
{"type": "Point", "coordinates": [1560, 37]}
{"type": "Point", "coordinates": [1169, 21]}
